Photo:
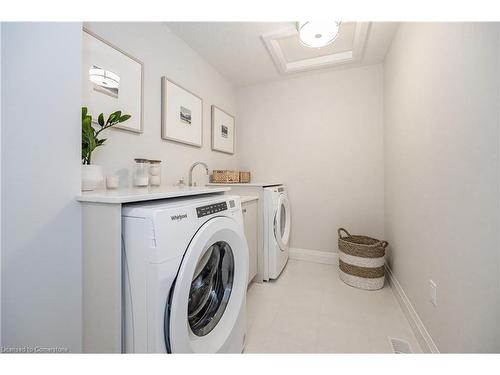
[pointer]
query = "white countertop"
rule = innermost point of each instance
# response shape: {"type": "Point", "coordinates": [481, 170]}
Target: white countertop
{"type": "Point", "coordinates": [119, 196]}
{"type": "Point", "coordinates": [256, 184]}
{"type": "Point", "coordinates": [248, 198]}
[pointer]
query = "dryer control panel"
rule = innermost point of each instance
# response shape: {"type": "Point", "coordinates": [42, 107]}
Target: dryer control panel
{"type": "Point", "coordinates": [211, 209]}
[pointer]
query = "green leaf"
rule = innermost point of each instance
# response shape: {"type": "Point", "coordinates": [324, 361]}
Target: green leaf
{"type": "Point", "coordinates": [124, 118]}
{"type": "Point", "coordinates": [92, 144]}
{"type": "Point", "coordinates": [90, 134]}
{"type": "Point", "coordinates": [86, 124]}
{"type": "Point", "coordinates": [111, 118]}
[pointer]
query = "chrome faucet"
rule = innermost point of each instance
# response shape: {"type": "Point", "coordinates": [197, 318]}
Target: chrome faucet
{"type": "Point", "coordinates": [191, 171]}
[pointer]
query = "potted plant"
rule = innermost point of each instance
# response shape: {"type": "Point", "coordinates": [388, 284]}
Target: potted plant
{"type": "Point", "coordinates": [92, 174]}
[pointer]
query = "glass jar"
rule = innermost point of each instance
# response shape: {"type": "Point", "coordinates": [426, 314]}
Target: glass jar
{"type": "Point", "coordinates": [155, 172]}
{"type": "Point", "coordinates": [141, 176]}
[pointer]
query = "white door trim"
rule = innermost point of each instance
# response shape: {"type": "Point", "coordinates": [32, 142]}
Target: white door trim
{"type": "Point", "coordinates": [329, 257]}
{"type": "Point", "coordinates": [315, 256]}
{"type": "Point", "coordinates": [423, 336]}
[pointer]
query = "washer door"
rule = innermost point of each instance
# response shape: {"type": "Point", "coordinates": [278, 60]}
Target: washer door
{"type": "Point", "coordinates": [210, 289]}
{"type": "Point", "coordinates": [282, 222]}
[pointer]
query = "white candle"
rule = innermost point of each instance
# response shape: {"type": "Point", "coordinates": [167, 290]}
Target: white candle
{"type": "Point", "coordinates": [112, 182]}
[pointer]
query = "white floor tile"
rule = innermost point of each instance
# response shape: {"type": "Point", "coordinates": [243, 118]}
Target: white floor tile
{"type": "Point", "coordinates": [310, 310]}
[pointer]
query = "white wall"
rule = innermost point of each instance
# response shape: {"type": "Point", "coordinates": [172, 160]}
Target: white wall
{"type": "Point", "coordinates": [321, 135]}
{"type": "Point", "coordinates": [163, 53]}
{"type": "Point", "coordinates": [441, 178]}
{"type": "Point", "coordinates": [1, 23]}
{"type": "Point", "coordinates": [41, 226]}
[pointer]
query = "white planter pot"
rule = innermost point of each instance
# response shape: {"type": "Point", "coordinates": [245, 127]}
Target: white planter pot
{"type": "Point", "coordinates": [92, 177]}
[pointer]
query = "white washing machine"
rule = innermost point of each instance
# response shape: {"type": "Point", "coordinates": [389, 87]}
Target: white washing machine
{"type": "Point", "coordinates": [185, 276]}
{"type": "Point", "coordinates": [276, 230]}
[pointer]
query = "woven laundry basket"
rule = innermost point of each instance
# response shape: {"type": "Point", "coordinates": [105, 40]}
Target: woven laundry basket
{"type": "Point", "coordinates": [361, 261]}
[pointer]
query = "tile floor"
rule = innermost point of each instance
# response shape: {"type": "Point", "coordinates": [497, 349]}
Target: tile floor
{"type": "Point", "coordinates": [309, 310]}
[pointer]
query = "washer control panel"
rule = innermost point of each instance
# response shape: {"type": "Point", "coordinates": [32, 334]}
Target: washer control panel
{"type": "Point", "coordinates": [211, 209]}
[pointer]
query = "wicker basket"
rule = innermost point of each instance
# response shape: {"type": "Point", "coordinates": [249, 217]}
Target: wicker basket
{"type": "Point", "coordinates": [225, 176]}
{"type": "Point", "coordinates": [245, 177]}
{"type": "Point", "coordinates": [361, 261]}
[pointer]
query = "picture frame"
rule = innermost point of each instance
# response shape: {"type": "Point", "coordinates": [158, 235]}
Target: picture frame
{"type": "Point", "coordinates": [112, 80]}
{"type": "Point", "coordinates": [181, 114]}
{"type": "Point", "coordinates": [223, 130]}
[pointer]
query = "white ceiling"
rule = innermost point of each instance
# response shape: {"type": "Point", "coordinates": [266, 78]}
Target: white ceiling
{"type": "Point", "coordinates": [237, 51]}
{"type": "Point", "coordinates": [294, 50]}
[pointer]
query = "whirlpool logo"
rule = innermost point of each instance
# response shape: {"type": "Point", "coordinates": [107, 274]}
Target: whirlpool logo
{"type": "Point", "coordinates": [179, 217]}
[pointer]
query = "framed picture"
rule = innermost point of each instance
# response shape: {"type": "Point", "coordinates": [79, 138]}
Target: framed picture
{"type": "Point", "coordinates": [222, 131]}
{"type": "Point", "coordinates": [182, 114]}
{"type": "Point", "coordinates": [112, 80]}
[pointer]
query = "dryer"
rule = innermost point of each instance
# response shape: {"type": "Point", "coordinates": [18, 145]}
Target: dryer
{"type": "Point", "coordinates": [185, 276]}
{"type": "Point", "coordinates": [277, 223]}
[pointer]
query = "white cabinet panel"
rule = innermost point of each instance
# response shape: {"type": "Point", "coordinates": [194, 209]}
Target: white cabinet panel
{"type": "Point", "coordinates": [251, 233]}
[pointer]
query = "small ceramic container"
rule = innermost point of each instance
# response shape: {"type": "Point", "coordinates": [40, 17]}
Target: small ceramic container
{"type": "Point", "coordinates": [113, 182]}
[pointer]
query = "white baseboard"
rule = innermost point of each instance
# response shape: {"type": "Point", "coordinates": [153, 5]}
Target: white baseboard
{"type": "Point", "coordinates": [416, 324]}
{"type": "Point", "coordinates": [315, 256]}
{"type": "Point", "coordinates": [421, 333]}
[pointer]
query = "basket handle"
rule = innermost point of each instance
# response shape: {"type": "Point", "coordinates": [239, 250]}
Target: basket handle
{"type": "Point", "coordinates": [384, 244]}
{"type": "Point", "coordinates": [340, 230]}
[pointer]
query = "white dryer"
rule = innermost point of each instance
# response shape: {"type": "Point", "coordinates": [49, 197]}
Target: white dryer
{"type": "Point", "coordinates": [276, 230]}
{"type": "Point", "coordinates": [185, 276]}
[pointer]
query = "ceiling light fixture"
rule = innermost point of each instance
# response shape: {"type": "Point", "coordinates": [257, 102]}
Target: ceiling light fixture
{"type": "Point", "coordinates": [316, 34]}
{"type": "Point", "coordinates": [103, 77]}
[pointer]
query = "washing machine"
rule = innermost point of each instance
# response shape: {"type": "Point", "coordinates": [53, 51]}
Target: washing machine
{"type": "Point", "coordinates": [276, 231]}
{"type": "Point", "coordinates": [185, 266]}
